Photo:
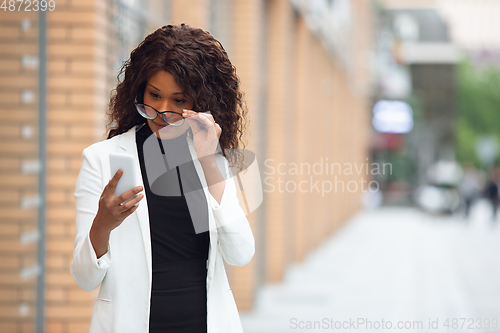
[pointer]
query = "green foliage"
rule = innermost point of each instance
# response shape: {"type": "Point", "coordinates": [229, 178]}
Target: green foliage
{"type": "Point", "coordinates": [478, 108]}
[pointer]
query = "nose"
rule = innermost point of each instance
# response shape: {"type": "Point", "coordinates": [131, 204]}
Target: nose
{"type": "Point", "coordinates": [165, 106]}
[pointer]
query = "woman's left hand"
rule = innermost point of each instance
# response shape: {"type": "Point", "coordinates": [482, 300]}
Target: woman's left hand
{"type": "Point", "coordinates": [205, 139]}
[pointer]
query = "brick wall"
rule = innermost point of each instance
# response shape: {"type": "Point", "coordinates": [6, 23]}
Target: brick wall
{"type": "Point", "coordinates": [74, 91]}
{"type": "Point", "coordinates": [245, 46]}
{"type": "Point", "coordinates": [279, 134]}
{"type": "Point", "coordinates": [327, 122]}
{"type": "Point", "coordinates": [18, 182]}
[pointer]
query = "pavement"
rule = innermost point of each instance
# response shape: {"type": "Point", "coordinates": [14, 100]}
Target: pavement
{"type": "Point", "coordinates": [391, 269]}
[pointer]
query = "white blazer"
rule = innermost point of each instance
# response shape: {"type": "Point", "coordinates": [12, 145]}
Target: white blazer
{"type": "Point", "coordinates": [125, 273]}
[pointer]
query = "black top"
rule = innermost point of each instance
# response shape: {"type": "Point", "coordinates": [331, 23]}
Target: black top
{"type": "Point", "coordinates": [173, 236]}
{"type": "Point", "coordinates": [179, 254]}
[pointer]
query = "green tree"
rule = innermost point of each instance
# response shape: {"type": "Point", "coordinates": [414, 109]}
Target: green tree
{"type": "Point", "coordinates": [478, 108]}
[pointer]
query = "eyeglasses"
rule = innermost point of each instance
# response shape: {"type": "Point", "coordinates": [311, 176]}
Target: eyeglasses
{"type": "Point", "coordinates": [171, 117]}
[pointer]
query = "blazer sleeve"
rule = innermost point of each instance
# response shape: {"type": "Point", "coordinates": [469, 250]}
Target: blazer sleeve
{"type": "Point", "coordinates": [87, 270]}
{"type": "Point", "coordinates": [235, 237]}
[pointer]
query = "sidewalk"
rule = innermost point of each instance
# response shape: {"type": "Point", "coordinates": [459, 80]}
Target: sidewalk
{"type": "Point", "coordinates": [397, 264]}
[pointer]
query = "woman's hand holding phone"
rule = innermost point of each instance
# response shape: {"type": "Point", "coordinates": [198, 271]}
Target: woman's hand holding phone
{"type": "Point", "coordinates": [111, 213]}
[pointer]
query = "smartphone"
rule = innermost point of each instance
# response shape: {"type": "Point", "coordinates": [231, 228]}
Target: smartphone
{"type": "Point", "coordinates": [129, 178]}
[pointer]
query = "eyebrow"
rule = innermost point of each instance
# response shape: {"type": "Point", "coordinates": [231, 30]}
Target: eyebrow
{"type": "Point", "coordinates": [175, 93]}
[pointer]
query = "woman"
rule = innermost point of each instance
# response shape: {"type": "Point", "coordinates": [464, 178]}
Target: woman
{"type": "Point", "coordinates": [158, 256]}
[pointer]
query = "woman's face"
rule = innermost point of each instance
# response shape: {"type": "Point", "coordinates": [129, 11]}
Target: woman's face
{"type": "Point", "coordinates": [164, 94]}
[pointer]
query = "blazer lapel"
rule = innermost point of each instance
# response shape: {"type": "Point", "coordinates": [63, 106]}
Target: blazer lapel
{"type": "Point", "coordinates": [128, 145]}
{"type": "Point", "coordinates": [212, 230]}
{"type": "Point", "coordinates": [201, 175]}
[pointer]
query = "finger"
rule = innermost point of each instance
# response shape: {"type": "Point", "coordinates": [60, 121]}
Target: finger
{"type": "Point", "coordinates": [128, 194]}
{"type": "Point", "coordinates": [126, 206]}
{"type": "Point", "coordinates": [218, 129]}
{"type": "Point", "coordinates": [209, 125]}
{"type": "Point", "coordinates": [194, 124]}
{"type": "Point", "coordinates": [186, 112]}
{"type": "Point", "coordinates": [113, 181]}
{"type": "Point", "coordinates": [129, 211]}
{"type": "Point", "coordinates": [207, 115]}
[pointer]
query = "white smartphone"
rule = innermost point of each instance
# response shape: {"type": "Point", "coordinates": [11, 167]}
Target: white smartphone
{"type": "Point", "coordinates": [129, 178]}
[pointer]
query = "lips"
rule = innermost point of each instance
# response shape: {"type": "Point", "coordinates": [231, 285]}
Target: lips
{"type": "Point", "coordinates": [160, 125]}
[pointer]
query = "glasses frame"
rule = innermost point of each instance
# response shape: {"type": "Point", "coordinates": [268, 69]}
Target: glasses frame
{"type": "Point", "coordinates": [159, 113]}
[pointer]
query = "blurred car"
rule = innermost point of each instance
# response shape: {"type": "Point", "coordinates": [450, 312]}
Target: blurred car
{"type": "Point", "coordinates": [441, 194]}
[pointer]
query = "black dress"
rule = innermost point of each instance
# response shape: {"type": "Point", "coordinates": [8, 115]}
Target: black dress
{"type": "Point", "coordinates": [179, 255]}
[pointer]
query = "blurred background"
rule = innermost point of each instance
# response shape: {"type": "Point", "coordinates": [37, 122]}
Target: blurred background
{"type": "Point", "coordinates": [376, 126]}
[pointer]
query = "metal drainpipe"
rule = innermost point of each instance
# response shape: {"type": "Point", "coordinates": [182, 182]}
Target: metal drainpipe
{"type": "Point", "coordinates": [42, 110]}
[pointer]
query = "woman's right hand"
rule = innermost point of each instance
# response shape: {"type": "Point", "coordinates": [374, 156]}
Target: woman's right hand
{"type": "Point", "coordinates": [112, 212]}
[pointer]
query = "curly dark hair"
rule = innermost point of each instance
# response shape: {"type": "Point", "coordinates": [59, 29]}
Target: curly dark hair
{"type": "Point", "coordinates": [200, 65]}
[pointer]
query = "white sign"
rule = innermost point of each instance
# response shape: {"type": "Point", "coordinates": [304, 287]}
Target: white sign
{"type": "Point", "coordinates": [392, 117]}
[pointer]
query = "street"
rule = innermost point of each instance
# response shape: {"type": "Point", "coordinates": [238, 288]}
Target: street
{"type": "Point", "coordinates": [392, 268]}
